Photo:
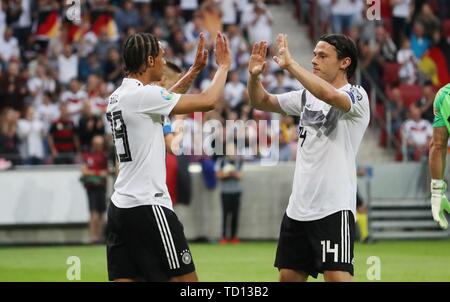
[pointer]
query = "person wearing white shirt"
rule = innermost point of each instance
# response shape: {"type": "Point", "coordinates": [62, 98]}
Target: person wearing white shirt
{"type": "Point", "coordinates": [74, 97]}
{"type": "Point", "coordinates": [9, 46]}
{"type": "Point", "coordinates": [318, 228]}
{"type": "Point", "coordinates": [145, 240]}
{"type": "Point", "coordinates": [260, 25]}
{"type": "Point", "coordinates": [417, 133]}
{"type": "Point", "coordinates": [229, 12]}
{"type": "Point", "coordinates": [47, 111]}
{"type": "Point", "coordinates": [40, 83]}
{"type": "Point", "coordinates": [31, 133]}
{"type": "Point", "coordinates": [67, 65]}
{"type": "Point", "coordinates": [235, 92]}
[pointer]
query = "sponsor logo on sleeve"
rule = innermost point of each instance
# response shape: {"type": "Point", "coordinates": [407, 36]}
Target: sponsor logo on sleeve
{"type": "Point", "coordinates": [167, 95]}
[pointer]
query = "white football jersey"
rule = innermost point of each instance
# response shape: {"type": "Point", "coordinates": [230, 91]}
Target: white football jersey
{"type": "Point", "coordinates": [135, 113]}
{"type": "Point", "coordinates": [325, 172]}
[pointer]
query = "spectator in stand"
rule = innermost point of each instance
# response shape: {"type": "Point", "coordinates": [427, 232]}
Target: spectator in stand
{"type": "Point", "coordinates": [408, 61]}
{"type": "Point", "coordinates": [401, 11]}
{"type": "Point", "coordinates": [342, 15]}
{"type": "Point", "coordinates": [90, 65]}
{"type": "Point", "coordinates": [386, 50]}
{"type": "Point", "coordinates": [62, 139]}
{"type": "Point", "coordinates": [425, 103]}
{"type": "Point", "coordinates": [9, 46]}
{"type": "Point", "coordinates": [90, 126]}
{"type": "Point", "coordinates": [31, 132]}
{"type": "Point", "coordinates": [13, 88]}
{"type": "Point", "coordinates": [229, 12]}
{"type": "Point", "coordinates": [419, 42]}
{"type": "Point", "coordinates": [47, 111]}
{"type": "Point", "coordinates": [398, 110]}
{"type": "Point", "coordinates": [104, 45]}
{"type": "Point", "coordinates": [430, 22]}
{"type": "Point", "coordinates": [417, 133]}
{"type": "Point", "coordinates": [127, 17]}
{"type": "Point", "coordinates": [95, 171]}
{"type": "Point", "coordinates": [9, 142]}
{"type": "Point", "coordinates": [235, 92]}
{"type": "Point", "coordinates": [75, 98]}
{"type": "Point", "coordinates": [260, 26]}
{"type": "Point", "coordinates": [40, 83]}
{"type": "Point", "coordinates": [113, 69]}
{"type": "Point", "coordinates": [67, 65]}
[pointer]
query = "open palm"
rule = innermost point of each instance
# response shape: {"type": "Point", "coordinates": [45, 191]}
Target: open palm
{"type": "Point", "coordinates": [283, 57]}
{"type": "Point", "coordinates": [257, 60]}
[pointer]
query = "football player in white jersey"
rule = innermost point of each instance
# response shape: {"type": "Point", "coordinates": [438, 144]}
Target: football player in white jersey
{"type": "Point", "coordinates": [317, 232]}
{"type": "Point", "coordinates": [145, 240]}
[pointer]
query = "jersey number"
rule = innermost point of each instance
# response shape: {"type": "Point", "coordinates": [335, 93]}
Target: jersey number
{"type": "Point", "coordinates": [119, 130]}
{"type": "Point", "coordinates": [327, 249]}
{"type": "Point", "coordinates": [302, 132]}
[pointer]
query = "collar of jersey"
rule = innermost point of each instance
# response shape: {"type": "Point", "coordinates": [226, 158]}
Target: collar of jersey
{"type": "Point", "coordinates": [131, 80]}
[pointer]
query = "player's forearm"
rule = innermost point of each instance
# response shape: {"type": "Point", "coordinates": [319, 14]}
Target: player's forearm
{"type": "Point", "coordinates": [183, 85]}
{"type": "Point", "coordinates": [437, 161]}
{"type": "Point", "coordinates": [256, 92]}
{"type": "Point", "coordinates": [320, 88]}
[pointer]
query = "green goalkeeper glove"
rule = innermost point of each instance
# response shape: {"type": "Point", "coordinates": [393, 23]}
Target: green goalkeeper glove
{"type": "Point", "coordinates": [439, 202]}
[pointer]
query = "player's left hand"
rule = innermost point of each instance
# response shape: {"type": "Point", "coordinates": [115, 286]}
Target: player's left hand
{"type": "Point", "coordinates": [283, 57]}
{"type": "Point", "coordinates": [439, 203]}
{"type": "Point", "coordinates": [201, 57]}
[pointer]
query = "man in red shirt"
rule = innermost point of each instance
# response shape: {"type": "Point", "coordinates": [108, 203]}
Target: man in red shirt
{"type": "Point", "coordinates": [63, 140]}
{"type": "Point", "coordinates": [95, 171]}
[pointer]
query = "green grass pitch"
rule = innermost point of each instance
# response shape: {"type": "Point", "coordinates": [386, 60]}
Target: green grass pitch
{"type": "Point", "coordinates": [252, 261]}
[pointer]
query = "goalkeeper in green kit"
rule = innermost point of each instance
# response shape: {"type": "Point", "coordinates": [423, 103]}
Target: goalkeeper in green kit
{"type": "Point", "coordinates": [438, 153]}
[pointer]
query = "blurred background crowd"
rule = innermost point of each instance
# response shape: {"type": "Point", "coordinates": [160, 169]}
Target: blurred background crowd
{"type": "Point", "coordinates": [56, 75]}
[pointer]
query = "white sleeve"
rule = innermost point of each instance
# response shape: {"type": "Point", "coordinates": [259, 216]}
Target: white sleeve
{"type": "Point", "coordinates": [359, 103]}
{"type": "Point", "coordinates": [291, 102]}
{"type": "Point", "coordinates": [157, 100]}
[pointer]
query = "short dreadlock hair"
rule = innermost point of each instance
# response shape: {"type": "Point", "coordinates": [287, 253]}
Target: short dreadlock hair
{"type": "Point", "coordinates": [136, 51]}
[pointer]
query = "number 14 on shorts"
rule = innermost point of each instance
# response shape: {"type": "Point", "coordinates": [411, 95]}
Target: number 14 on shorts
{"type": "Point", "coordinates": [327, 249]}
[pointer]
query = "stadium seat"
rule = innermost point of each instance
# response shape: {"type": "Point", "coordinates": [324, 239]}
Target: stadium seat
{"type": "Point", "coordinates": [390, 73]}
{"type": "Point", "coordinates": [446, 28]}
{"type": "Point", "coordinates": [410, 93]}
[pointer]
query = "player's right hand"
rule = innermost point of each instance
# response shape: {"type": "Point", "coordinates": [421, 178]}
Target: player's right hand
{"type": "Point", "coordinates": [223, 52]}
{"type": "Point", "coordinates": [439, 202]}
{"type": "Point", "coordinates": [257, 62]}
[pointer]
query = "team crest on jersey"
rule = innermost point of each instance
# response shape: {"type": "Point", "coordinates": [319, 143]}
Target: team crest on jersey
{"type": "Point", "coordinates": [168, 96]}
{"type": "Point", "coordinates": [186, 257]}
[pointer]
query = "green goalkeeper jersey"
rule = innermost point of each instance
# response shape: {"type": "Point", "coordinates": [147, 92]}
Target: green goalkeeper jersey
{"type": "Point", "coordinates": [442, 108]}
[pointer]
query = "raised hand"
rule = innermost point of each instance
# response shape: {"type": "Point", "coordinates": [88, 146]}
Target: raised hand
{"type": "Point", "coordinates": [223, 52]}
{"type": "Point", "coordinates": [201, 56]}
{"type": "Point", "coordinates": [283, 57]}
{"type": "Point", "coordinates": [257, 62]}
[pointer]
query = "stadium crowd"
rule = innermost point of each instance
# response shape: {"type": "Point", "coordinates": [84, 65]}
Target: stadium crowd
{"type": "Point", "coordinates": [56, 75]}
{"type": "Point", "coordinates": [406, 54]}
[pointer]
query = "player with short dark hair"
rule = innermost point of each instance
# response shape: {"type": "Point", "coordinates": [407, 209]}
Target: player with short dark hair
{"type": "Point", "coordinates": [317, 232]}
{"type": "Point", "coordinates": [146, 241]}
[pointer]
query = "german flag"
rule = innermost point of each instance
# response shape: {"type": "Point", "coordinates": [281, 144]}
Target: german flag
{"type": "Point", "coordinates": [49, 24]}
{"type": "Point", "coordinates": [101, 19]}
{"type": "Point", "coordinates": [434, 64]}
